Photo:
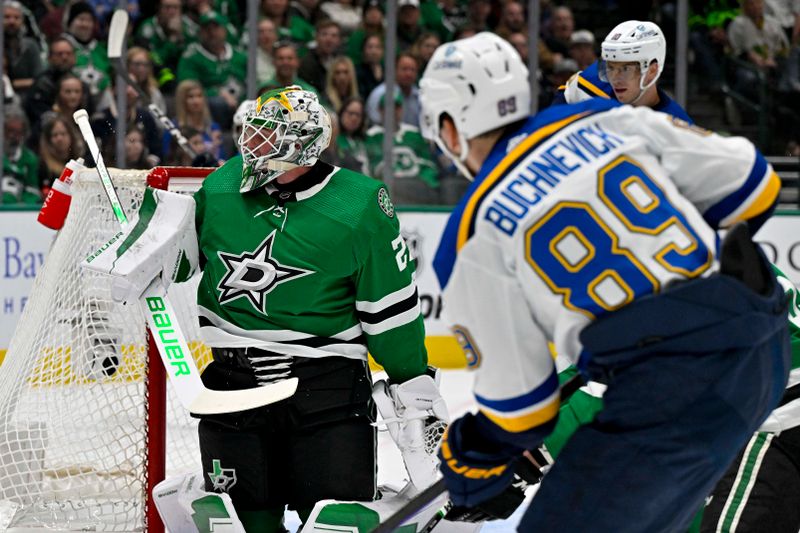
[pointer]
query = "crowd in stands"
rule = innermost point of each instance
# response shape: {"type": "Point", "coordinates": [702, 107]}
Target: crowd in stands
{"type": "Point", "coordinates": [189, 58]}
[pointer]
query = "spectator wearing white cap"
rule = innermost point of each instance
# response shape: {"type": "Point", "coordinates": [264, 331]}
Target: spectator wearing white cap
{"type": "Point", "coordinates": [581, 48]}
{"type": "Point", "coordinates": [344, 12]}
{"type": "Point", "coordinates": [408, 23]}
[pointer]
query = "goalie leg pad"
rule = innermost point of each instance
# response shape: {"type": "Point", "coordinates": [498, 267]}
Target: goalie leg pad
{"type": "Point", "coordinates": [184, 507]}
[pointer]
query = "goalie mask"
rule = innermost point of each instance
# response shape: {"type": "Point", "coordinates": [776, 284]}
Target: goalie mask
{"type": "Point", "coordinates": [286, 129]}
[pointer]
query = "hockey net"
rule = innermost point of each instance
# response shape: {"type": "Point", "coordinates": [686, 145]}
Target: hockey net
{"type": "Point", "coordinates": [83, 410]}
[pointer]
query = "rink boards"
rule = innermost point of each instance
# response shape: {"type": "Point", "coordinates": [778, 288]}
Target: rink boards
{"type": "Point", "coordinates": [24, 244]}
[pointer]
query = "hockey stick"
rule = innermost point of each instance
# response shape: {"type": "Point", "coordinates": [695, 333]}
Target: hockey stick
{"type": "Point", "coordinates": [421, 500]}
{"type": "Point", "coordinates": [166, 332]}
{"type": "Point", "coordinates": [117, 32]}
{"type": "Point", "coordinates": [414, 505]}
{"type": "Point", "coordinates": [438, 517]}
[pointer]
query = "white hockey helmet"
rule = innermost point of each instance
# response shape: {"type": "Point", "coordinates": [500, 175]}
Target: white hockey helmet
{"type": "Point", "coordinates": [480, 82]}
{"type": "Point", "coordinates": [286, 129]}
{"type": "Point", "coordinates": [238, 118]}
{"type": "Point", "coordinates": [634, 41]}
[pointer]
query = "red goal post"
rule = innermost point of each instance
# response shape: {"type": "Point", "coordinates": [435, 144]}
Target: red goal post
{"type": "Point", "coordinates": [179, 179]}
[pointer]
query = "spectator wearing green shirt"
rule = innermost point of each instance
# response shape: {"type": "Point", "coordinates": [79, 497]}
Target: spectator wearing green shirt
{"type": "Point", "coordinates": [415, 176]}
{"type": "Point", "coordinates": [442, 17]}
{"type": "Point", "coordinates": [290, 27]}
{"type": "Point", "coordinates": [221, 68]}
{"type": "Point", "coordinates": [91, 56]}
{"type": "Point", "coordinates": [286, 63]}
{"type": "Point", "coordinates": [19, 183]}
{"type": "Point", "coordinates": [371, 24]}
{"type": "Point", "coordinates": [350, 142]}
{"type": "Point", "coordinates": [166, 35]}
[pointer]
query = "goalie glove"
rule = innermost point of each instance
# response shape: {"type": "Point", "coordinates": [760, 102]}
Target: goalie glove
{"type": "Point", "coordinates": [416, 416]}
{"type": "Point", "coordinates": [162, 241]}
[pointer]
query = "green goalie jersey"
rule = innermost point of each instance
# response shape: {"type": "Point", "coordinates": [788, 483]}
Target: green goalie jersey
{"type": "Point", "coordinates": [317, 272]}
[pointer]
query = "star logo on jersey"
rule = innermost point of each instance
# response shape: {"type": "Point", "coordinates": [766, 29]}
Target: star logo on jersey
{"type": "Point", "coordinates": [253, 275]}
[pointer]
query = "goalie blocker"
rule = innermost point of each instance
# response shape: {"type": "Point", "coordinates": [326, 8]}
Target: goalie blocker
{"type": "Point", "coordinates": [162, 242]}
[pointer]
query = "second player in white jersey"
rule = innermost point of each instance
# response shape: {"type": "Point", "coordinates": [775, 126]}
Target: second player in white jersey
{"type": "Point", "coordinates": [594, 226]}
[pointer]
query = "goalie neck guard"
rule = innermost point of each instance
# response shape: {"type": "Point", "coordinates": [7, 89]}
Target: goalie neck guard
{"type": "Point", "coordinates": [287, 128]}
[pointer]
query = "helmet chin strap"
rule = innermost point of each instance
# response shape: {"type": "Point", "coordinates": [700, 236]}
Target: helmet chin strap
{"type": "Point", "coordinates": [643, 88]}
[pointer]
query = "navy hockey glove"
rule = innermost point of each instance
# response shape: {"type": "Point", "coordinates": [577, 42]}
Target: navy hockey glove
{"type": "Point", "coordinates": [473, 468]}
{"type": "Point", "coordinates": [500, 507]}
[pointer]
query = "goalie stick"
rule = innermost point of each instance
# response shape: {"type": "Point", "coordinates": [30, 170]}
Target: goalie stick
{"type": "Point", "coordinates": [421, 500]}
{"type": "Point", "coordinates": [117, 32]}
{"type": "Point", "coordinates": [166, 332]}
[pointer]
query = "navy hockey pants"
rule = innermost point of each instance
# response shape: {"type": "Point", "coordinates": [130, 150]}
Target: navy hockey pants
{"type": "Point", "coordinates": [691, 373]}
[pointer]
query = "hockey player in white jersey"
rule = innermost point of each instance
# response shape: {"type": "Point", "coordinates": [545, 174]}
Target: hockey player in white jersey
{"type": "Point", "coordinates": [594, 226]}
{"type": "Point", "coordinates": [633, 56]}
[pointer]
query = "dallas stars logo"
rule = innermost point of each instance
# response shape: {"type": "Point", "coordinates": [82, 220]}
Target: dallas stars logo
{"type": "Point", "coordinates": [222, 479]}
{"type": "Point", "coordinates": [254, 275]}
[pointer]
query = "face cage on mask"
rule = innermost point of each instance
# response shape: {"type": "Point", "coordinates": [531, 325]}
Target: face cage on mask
{"type": "Point", "coordinates": [253, 154]}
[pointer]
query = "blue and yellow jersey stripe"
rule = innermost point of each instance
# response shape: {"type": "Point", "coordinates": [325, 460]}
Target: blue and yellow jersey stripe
{"type": "Point", "coordinates": [591, 89]}
{"type": "Point", "coordinates": [589, 82]}
{"type": "Point", "coordinates": [757, 194]}
{"type": "Point", "coordinates": [500, 162]}
{"type": "Point", "coordinates": [526, 411]}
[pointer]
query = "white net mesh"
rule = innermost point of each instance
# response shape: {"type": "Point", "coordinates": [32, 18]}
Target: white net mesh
{"type": "Point", "coordinates": [433, 436]}
{"type": "Point", "coordinates": [73, 442]}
